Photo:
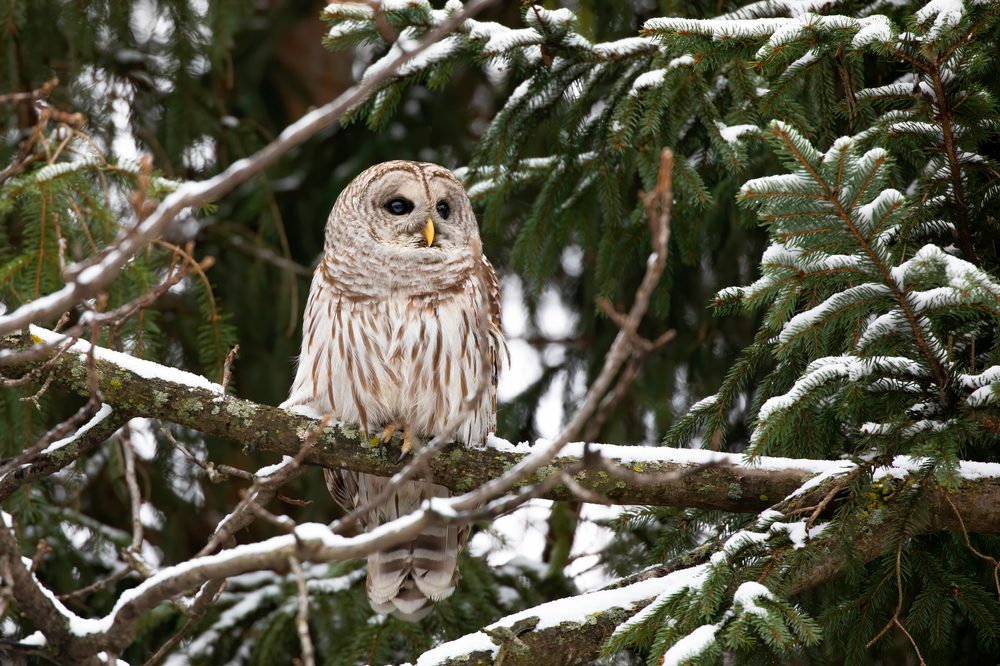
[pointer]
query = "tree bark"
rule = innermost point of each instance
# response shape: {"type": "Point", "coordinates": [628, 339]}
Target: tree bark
{"type": "Point", "coordinates": [726, 487]}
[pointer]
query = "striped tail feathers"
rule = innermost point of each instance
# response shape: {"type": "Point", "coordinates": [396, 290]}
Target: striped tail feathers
{"type": "Point", "coordinates": [408, 578]}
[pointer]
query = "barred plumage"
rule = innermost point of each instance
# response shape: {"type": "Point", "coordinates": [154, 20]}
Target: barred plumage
{"type": "Point", "coordinates": [392, 342]}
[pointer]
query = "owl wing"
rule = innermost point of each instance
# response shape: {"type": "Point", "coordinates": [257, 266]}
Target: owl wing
{"type": "Point", "coordinates": [499, 354]}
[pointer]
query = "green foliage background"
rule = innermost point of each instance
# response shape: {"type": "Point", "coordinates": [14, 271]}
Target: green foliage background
{"type": "Point", "coordinates": [547, 171]}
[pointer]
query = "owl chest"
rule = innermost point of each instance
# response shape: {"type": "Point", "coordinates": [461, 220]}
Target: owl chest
{"type": "Point", "coordinates": [397, 359]}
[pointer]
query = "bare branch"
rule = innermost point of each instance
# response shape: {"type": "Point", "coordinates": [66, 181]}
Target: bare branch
{"type": "Point", "coordinates": [620, 348]}
{"type": "Point", "coordinates": [263, 489]}
{"type": "Point", "coordinates": [209, 592]}
{"type": "Point", "coordinates": [302, 619]}
{"type": "Point", "coordinates": [227, 369]}
{"type": "Point", "coordinates": [96, 586]}
{"type": "Point", "coordinates": [125, 437]}
{"type": "Point", "coordinates": [268, 256]}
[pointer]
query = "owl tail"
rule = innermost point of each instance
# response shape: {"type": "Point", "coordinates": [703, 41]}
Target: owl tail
{"type": "Point", "coordinates": [407, 579]}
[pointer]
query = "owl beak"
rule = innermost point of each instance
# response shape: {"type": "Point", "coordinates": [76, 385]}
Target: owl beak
{"type": "Point", "coordinates": [429, 231]}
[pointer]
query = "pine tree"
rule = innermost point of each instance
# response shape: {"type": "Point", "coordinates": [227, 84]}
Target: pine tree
{"type": "Point", "coordinates": [863, 138]}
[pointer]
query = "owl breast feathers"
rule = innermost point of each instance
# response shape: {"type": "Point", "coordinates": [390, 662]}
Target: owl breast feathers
{"type": "Point", "coordinates": [392, 342]}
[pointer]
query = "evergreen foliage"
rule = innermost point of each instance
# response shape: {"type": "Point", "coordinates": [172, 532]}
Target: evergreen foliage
{"type": "Point", "coordinates": [863, 137]}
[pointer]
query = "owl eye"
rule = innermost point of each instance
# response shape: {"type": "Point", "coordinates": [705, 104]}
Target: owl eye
{"type": "Point", "coordinates": [443, 210]}
{"type": "Point", "coordinates": [399, 206]}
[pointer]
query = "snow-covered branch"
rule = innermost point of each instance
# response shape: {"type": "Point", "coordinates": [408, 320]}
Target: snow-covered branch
{"type": "Point", "coordinates": [626, 474]}
{"type": "Point", "coordinates": [576, 629]}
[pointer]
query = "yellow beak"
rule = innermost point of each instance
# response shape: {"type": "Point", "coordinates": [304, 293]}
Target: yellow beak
{"type": "Point", "coordinates": [429, 231]}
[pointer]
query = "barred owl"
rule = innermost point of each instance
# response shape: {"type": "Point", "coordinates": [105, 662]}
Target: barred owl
{"type": "Point", "coordinates": [391, 342]}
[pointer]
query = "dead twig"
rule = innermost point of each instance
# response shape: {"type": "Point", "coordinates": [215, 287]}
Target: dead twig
{"type": "Point", "coordinates": [41, 551]}
{"type": "Point", "coordinates": [215, 593]}
{"type": "Point", "coordinates": [226, 369]}
{"type": "Point", "coordinates": [621, 348]}
{"type": "Point", "coordinates": [968, 544]}
{"type": "Point", "coordinates": [268, 485]}
{"type": "Point", "coordinates": [283, 523]}
{"type": "Point", "coordinates": [128, 453]}
{"type": "Point", "coordinates": [41, 93]}
{"type": "Point", "coordinates": [302, 618]}
{"type": "Point", "coordinates": [268, 256]}
{"type": "Point", "coordinates": [97, 585]}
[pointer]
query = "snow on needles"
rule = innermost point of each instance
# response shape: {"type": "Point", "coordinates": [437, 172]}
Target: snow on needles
{"type": "Point", "coordinates": [571, 609]}
{"type": "Point", "coordinates": [875, 30]}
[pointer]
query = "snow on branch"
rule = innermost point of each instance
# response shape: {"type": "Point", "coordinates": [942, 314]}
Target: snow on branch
{"type": "Point", "coordinates": [138, 388]}
{"type": "Point", "coordinates": [602, 621]}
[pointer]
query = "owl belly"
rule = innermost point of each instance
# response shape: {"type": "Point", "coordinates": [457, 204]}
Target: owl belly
{"type": "Point", "coordinates": [395, 362]}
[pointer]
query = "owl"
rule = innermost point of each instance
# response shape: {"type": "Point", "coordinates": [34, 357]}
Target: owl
{"type": "Point", "coordinates": [392, 343]}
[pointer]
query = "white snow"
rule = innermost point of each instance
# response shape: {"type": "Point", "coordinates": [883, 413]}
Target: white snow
{"type": "Point", "coordinates": [880, 206]}
{"type": "Point", "coordinates": [647, 80]}
{"type": "Point", "coordinates": [141, 367]}
{"type": "Point", "coordinates": [690, 646]}
{"type": "Point", "coordinates": [946, 13]}
{"type": "Point", "coordinates": [663, 454]}
{"type": "Point", "coordinates": [102, 413]}
{"type": "Point", "coordinates": [732, 134]}
{"type": "Point", "coordinates": [902, 466]}
{"type": "Point", "coordinates": [875, 30]}
{"type": "Point", "coordinates": [571, 609]}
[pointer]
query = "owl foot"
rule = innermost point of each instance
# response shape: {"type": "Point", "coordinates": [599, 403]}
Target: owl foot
{"type": "Point", "coordinates": [387, 434]}
{"type": "Point", "coordinates": [408, 440]}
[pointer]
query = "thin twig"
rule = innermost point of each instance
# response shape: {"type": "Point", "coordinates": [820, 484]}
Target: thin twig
{"type": "Point", "coordinates": [268, 484]}
{"type": "Point", "coordinates": [97, 585]}
{"type": "Point", "coordinates": [41, 93]}
{"type": "Point", "coordinates": [620, 349]}
{"type": "Point", "coordinates": [833, 493]}
{"type": "Point", "coordinates": [180, 447]}
{"type": "Point", "coordinates": [283, 523]}
{"type": "Point", "coordinates": [302, 619]}
{"type": "Point", "coordinates": [227, 368]}
{"type": "Point", "coordinates": [128, 452]}
{"type": "Point", "coordinates": [269, 256]}
{"type": "Point", "coordinates": [41, 551]}
{"type": "Point", "coordinates": [968, 544]}
{"type": "Point", "coordinates": [179, 636]}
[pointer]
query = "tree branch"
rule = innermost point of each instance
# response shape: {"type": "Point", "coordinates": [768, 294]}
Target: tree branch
{"type": "Point", "coordinates": [565, 634]}
{"type": "Point", "coordinates": [728, 486]}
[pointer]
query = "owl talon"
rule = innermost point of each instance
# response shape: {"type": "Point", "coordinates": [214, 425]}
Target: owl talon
{"type": "Point", "coordinates": [407, 445]}
{"type": "Point", "coordinates": [387, 434]}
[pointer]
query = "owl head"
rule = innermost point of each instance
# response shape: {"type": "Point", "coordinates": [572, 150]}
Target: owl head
{"type": "Point", "coordinates": [414, 208]}
{"type": "Point", "coordinates": [401, 227]}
